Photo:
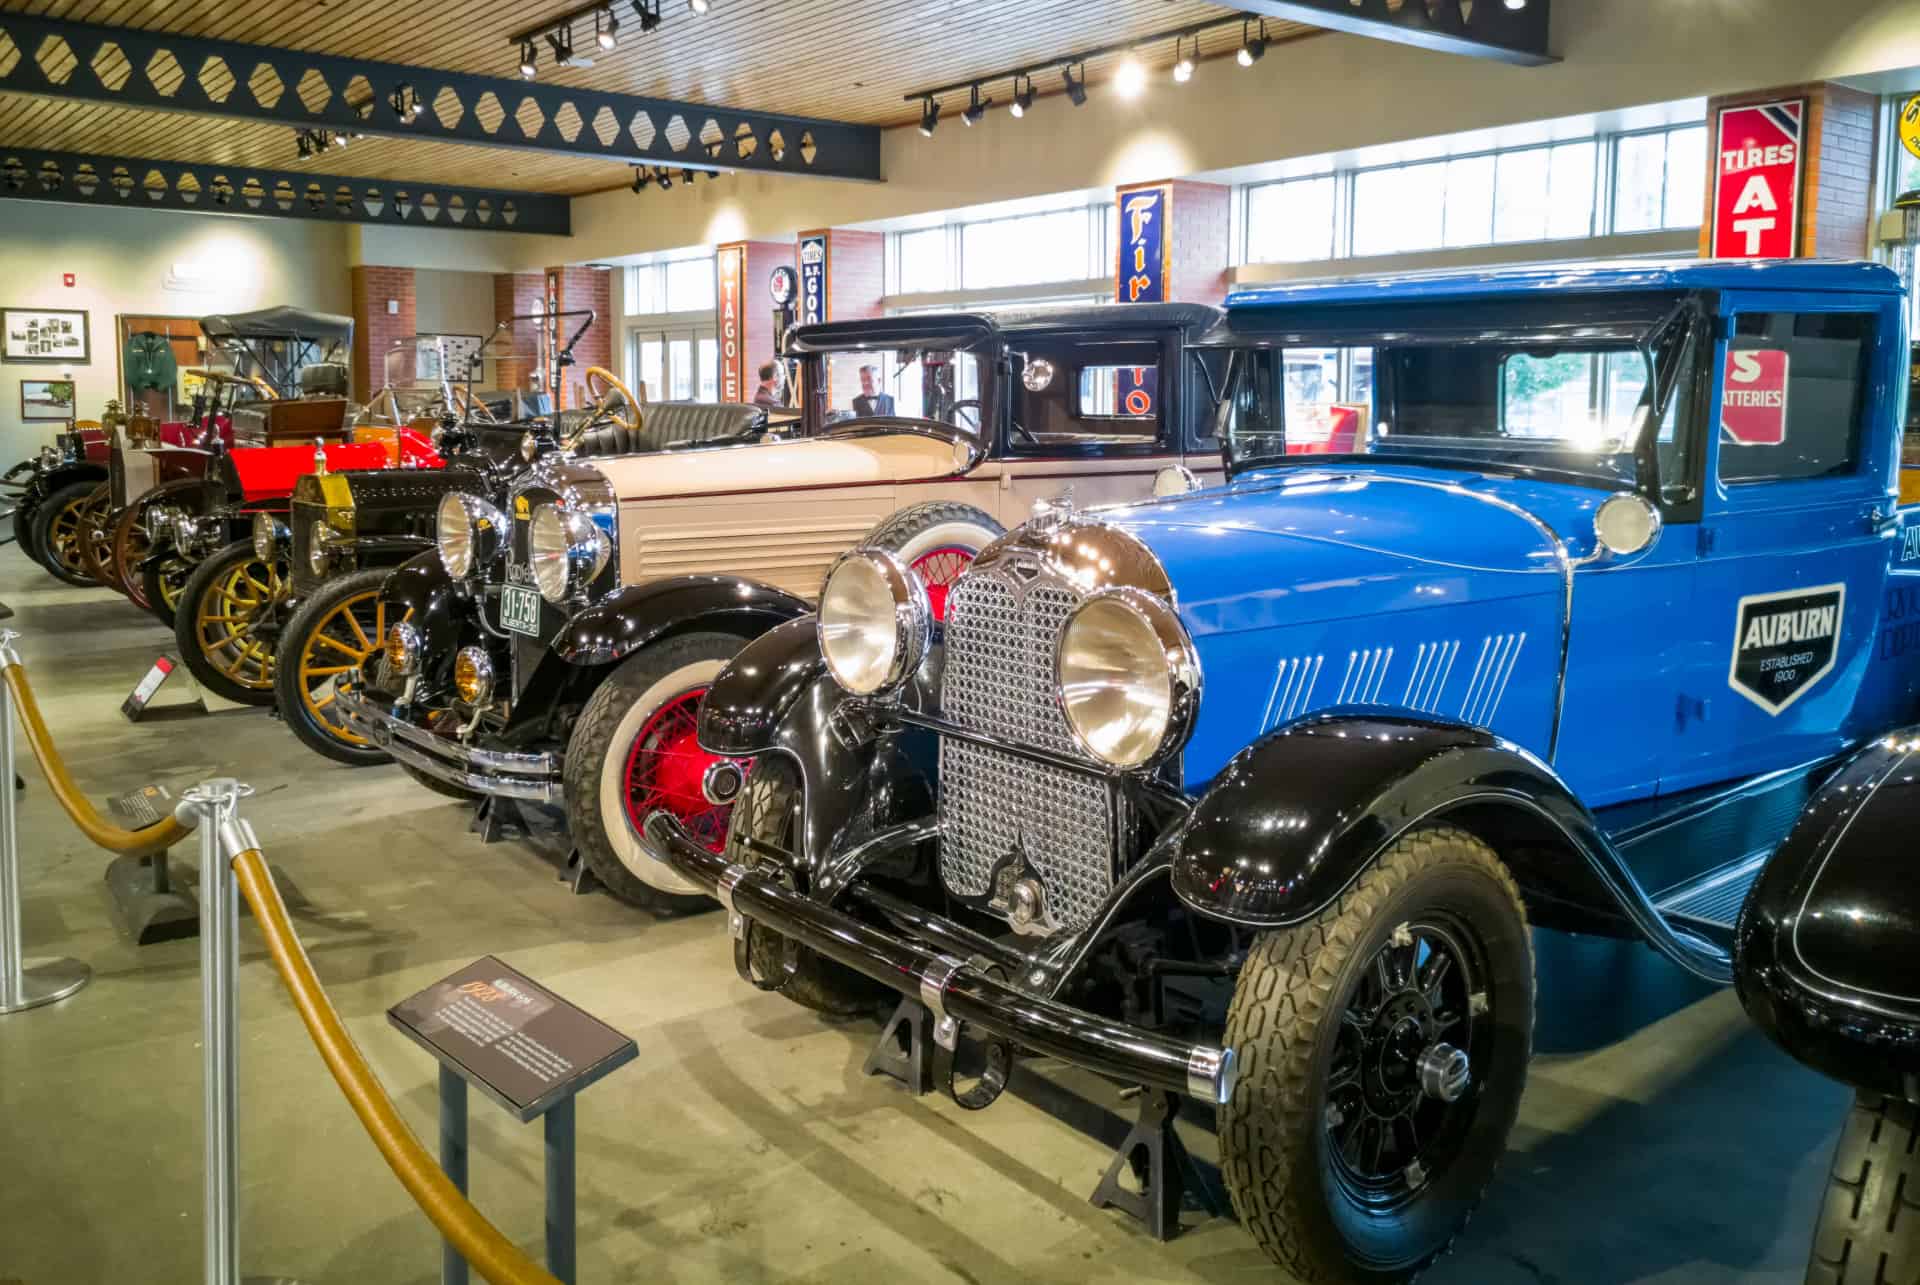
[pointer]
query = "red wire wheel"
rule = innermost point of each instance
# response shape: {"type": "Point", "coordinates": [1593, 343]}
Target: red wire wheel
{"type": "Point", "coordinates": [666, 768]}
{"type": "Point", "coordinates": [940, 568]}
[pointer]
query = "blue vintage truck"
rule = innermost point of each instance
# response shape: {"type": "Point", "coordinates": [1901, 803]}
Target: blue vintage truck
{"type": "Point", "coordinates": [1538, 597]}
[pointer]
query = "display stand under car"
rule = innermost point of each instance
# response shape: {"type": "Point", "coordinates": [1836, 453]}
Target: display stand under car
{"type": "Point", "coordinates": [1828, 964]}
{"type": "Point", "coordinates": [559, 645]}
{"type": "Point", "coordinates": [1252, 794]}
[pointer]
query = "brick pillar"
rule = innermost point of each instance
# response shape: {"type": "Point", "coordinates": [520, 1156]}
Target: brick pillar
{"type": "Point", "coordinates": [575, 288]}
{"type": "Point", "coordinates": [749, 345]}
{"type": "Point", "coordinates": [1197, 232]}
{"type": "Point", "coordinates": [374, 327]}
{"type": "Point", "coordinates": [516, 294]}
{"type": "Point", "coordinates": [1840, 141]}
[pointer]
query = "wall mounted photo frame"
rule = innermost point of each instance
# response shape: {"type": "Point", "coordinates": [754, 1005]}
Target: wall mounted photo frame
{"type": "Point", "coordinates": [43, 400]}
{"type": "Point", "coordinates": [49, 335]}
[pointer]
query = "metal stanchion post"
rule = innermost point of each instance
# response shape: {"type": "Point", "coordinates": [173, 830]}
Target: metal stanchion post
{"type": "Point", "coordinates": [213, 804]}
{"type": "Point", "coordinates": [23, 984]}
{"type": "Point", "coordinates": [453, 1160]}
{"type": "Point", "coordinates": [560, 1196]}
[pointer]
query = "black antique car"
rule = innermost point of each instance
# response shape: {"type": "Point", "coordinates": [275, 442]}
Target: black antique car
{"type": "Point", "coordinates": [1827, 962]}
{"type": "Point", "coordinates": [59, 492]}
{"type": "Point", "coordinates": [347, 531]}
{"type": "Point", "coordinates": [558, 647]}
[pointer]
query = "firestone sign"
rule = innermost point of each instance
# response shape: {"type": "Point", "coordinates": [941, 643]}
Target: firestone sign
{"type": "Point", "coordinates": [1756, 185]}
{"type": "Point", "coordinates": [813, 279]}
{"type": "Point", "coordinates": [1140, 276]}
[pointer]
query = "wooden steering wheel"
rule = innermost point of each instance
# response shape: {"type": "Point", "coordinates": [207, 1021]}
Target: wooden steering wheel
{"type": "Point", "coordinates": [471, 408]}
{"type": "Point", "coordinates": [601, 411]}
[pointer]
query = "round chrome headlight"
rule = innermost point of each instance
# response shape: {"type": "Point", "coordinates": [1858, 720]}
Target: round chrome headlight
{"type": "Point", "coordinates": [565, 551]}
{"type": "Point", "coordinates": [469, 532]}
{"type": "Point", "coordinates": [403, 648]}
{"type": "Point", "coordinates": [875, 621]}
{"type": "Point", "coordinates": [269, 536]}
{"type": "Point", "coordinates": [1128, 677]}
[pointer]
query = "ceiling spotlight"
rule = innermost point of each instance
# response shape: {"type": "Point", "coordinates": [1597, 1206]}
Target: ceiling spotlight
{"type": "Point", "coordinates": [606, 28]}
{"type": "Point", "coordinates": [1022, 98]}
{"type": "Point", "coordinates": [338, 140]}
{"type": "Point", "coordinates": [528, 54]}
{"type": "Point", "coordinates": [303, 144]}
{"type": "Point", "coordinates": [698, 6]}
{"type": "Point", "coordinates": [1183, 61]}
{"type": "Point", "coordinates": [976, 108]}
{"type": "Point", "coordinates": [929, 117]}
{"type": "Point", "coordinates": [639, 178]}
{"type": "Point", "coordinates": [664, 179]}
{"type": "Point", "coordinates": [686, 176]}
{"type": "Point", "coordinates": [1252, 49]}
{"type": "Point", "coordinates": [1130, 78]}
{"type": "Point", "coordinates": [1076, 89]}
{"type": "Point", "coordinates": [405, 103]}
{"type": "Point", "coordinates": [561, 41]}
{"type": "Point", "coordinates": [649, 11]}
{"type": "Point", "coordinates": [1516, 4]}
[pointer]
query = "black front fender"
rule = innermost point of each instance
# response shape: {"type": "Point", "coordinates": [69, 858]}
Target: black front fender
{"type": "Point", "coordinates": [628, 619]}
{"type": "Point", "coordinates": [1294, 818]}
{"type": "Point", "coordinates": [439, 606]}
{"type": "Point", "coordinates": [1825, 958]}
{"type": "Point", "coordinates": [742, 711]}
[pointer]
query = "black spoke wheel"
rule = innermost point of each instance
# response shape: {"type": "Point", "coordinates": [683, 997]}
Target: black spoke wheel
{"type": "Point", "coordinates": [1383, 1048]}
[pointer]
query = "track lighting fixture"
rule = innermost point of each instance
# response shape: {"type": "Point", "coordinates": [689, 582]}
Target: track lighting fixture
{"type": "Point", "coordinates": [606, 28]}
{"type": "Point", "coordinates": [649, 12]}
{"type": "Point", "coordinates": [929, 117]}
{"type": "Point", "coordinates": [698, 6]}
{"type": "Point", "coordinates": [528, 55]}
{"type": "Point", "coordinates": [664, 179]}
{"type": "Point", "coordinates": [639, 179]}
{"type": "Point", "coordinates": [1251, 49]}
{"type": "Point", "coordinates": [976, 108]}
{"type": "Point", "coordinates": [1130, 77]}
{"type": "Point", "coordinates": [560, 40]}
{"type": "Point", "coordinates": [1183, 61]}
{"type": "Point", "coordinates": [1022, 98]}
{"type": "Point", "coordinates": [303, 144]}
{"type": "Point", "coordinates": [1076, 89]}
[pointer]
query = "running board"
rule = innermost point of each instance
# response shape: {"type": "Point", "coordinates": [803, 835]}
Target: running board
{"type": "Point", "coordinates": [1713, 900]}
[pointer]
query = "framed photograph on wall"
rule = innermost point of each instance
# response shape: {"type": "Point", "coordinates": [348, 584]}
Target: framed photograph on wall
{"type": "Point", "coordinates": [46, 399]}
{"type": "Point", "coordinates": [50, 335]}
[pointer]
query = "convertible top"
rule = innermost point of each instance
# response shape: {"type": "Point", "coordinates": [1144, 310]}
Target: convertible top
{"type": "Point", "coordinates": [279, 323]}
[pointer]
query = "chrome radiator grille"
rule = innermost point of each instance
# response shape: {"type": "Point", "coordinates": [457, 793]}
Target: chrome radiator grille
{"type": "Point", "coordinates": [998, 679]}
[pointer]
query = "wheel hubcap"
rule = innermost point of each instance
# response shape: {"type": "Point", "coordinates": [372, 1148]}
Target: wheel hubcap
{"type": "Point", "coordinates": [667, 769]}
{"type": "Point", "coordinates": [1399, 1091]}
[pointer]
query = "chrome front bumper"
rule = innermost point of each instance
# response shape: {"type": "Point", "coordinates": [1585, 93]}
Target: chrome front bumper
{"type": "Point", "coordinates": [506, 773]}
{"type": "Point", "coordinates": [955, 990]}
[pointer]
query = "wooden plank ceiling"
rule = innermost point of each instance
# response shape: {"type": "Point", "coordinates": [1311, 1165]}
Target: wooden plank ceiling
{"type": "Point", "coordinates": [846, 60]}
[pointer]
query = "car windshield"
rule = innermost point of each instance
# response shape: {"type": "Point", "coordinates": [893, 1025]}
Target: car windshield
{"type": "Point", "coordinates": [1574, 399]}
{"type": "Point", "coordinates": [939, 386]}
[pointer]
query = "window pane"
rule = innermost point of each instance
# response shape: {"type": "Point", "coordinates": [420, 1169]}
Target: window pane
{"type": "Point", "coordinates": [709, 370]}
{"type": "Point", "coordinates": [1639, 175]}
{"type": "Point", "coordinates": [1469, 217]}
{"type": "Point", "coordinates": [1037, 247]}
{"type": "Point", "coordinates": [1791, 401]}
{"type": "Point", "coordinates": [680, 370]}
{"type": "Point", "coordinates": [1399, 209]}
{"type": "Point", "coordinates": [651, 353]}
{"type": "Point", "coordinates": [1570, 190]}
{"type": "Point", "coordinates": [1686, 176]}
{"type": "Point", "coordinates": [690, 285]}
{"type": "Point", "coordinates": [1290, 222]}
{"type": "Point", "coordinates": [643, 290]}
{"type": "Point", "coordinates": [923, 261]}
{"type": "Point", "coordinates": [1520, 196]}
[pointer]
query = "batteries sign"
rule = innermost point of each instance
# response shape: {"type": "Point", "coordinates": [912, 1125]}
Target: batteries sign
{"type": "Point", "coordinates": [1753, 405]}
{"type": "Point", "coordinates": [1756, 184]}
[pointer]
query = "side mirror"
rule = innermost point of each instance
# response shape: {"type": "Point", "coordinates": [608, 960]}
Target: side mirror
{"type": "Point", "coordinates": [1625, 524]}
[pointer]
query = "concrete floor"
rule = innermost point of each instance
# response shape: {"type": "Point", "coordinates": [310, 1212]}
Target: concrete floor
{"type": "Point", "coordinates": [744, 1144]}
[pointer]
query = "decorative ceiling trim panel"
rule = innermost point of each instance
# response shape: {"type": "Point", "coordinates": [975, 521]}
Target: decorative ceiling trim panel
{"type": "Point", "coordinates": [1477, 28]}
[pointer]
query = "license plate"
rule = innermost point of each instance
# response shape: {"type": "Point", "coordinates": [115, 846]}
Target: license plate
{"type": "Point", "coordinates": [520, 610]}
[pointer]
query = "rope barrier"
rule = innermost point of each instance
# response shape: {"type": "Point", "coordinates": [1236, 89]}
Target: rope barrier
{"type": "Point", "coordinates": [158, 837]}
{"type": "Point", "coordinates": [489, 1252]}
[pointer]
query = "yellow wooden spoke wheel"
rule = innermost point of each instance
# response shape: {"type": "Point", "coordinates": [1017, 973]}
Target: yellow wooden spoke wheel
{"type": "Point", "coordinates": [228, 623]}
{"type": "Point", "coordinates": [321, 650]}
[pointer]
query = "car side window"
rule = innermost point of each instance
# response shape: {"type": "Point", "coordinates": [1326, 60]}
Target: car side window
{"type": "Point", "coordinates": [1792, 398]}
{"type": "Point", "coordinates": [1070, 395]}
